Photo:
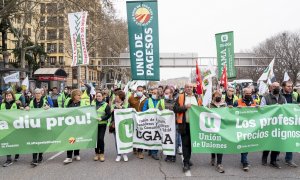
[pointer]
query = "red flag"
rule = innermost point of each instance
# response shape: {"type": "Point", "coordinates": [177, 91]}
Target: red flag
{"type": "Point", "coordinates": [198, 80]}
{"type": "Point", "coordinates": [223, 79]}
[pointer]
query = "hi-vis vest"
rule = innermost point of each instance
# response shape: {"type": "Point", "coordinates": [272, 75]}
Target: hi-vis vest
{"type": "Point", "coordinates": [101, 112]}
{"type": "Point", "coordinates": [82, 103]}
{"type": "Point", "coordinates": [31, 105]}
{"type": "Point", "coordinates": [13, 106]}
{"type": "Point", "coordinates": [235, 98]}
{"type": "Point", "coordinates": [241, 103]}
{"type": "Point", "coordinates": [18, 96]}
{"type": "Point", "coordinates": [295, 97]}
{"type": "Point", "coordinates": [181, 103]}
{"type": "Point", "coordinates": [60, 100]}
{"type": "Point", "coordinates": [160, 103]}
{"type": "Point", "coordinates": [85, 99]}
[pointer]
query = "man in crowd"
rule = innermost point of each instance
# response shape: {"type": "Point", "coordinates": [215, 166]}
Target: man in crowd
{"type": "Point", "coordinates": [274, 97]}
{"type": "Point", "coordinates": [57, 98]}
{"type": "Point", "coordinates": [245, 101]}
{"type": "Point", "coordinates": [137, 101]}
{"type": "Point", "coordinates": [182, 104]}
{"type": "Point", "coordinates": [291, 98]}
{"type": "Point", "coordinates": [229, 97]}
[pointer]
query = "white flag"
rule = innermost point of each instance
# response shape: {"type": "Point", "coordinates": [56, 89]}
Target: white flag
{"type": "Point", "coordinates": [263, 88]}
{"type": "Point", "coordinates": [268, 72]}
{"type": "Point", "coordinates": [77, 25]}
{"type": "Point", "coordinates": [15, 77]}
{"type": "Point", "coordinates": [286, 77]}
{"type": "Point", "coordinates": [209, 72]}
{"type": "Point", "coordinates": [208, 93]}
{"type": "Point", "coordinates": [26, 83]}
{"type": "Point", "coordinates": [93, 92]}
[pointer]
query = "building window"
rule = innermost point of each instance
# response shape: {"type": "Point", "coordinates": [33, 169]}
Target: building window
{"type": "Point", "coordinates": [42, 21]}
{"type": "Point", "coordinates": [61, 34]}
{"type": "Point", "coordinates": [42, 34]}
{"type": "Point", "coordinates": [51, 34]}
{"type": "Point", "coordinates": [51, 8]}
{"type": "Point", "coordinates": [61, 8]}
{"type": "Point", "coordinates": [43, 8]}
{"type": "Point", "coordinates": [61, 48]}
{"type": "Point", "coordinates": [51, 21]}
{"type": "Point", "coordinates": [52, 60]}
{"type": "Point", "coordinates": [61, 21]}
{"type": "Point", "coordinates": [51, 48]}
{"type": "Point", "coordinates": [43, 46]}
{"type": "Point", "coordinates": [29, 31]}
{"type": "Point", "coordinates": [61, 60]}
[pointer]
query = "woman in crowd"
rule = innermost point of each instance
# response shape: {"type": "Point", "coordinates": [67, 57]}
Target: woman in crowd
{"type": "Point", "coordinates": [118, 104]}
{"type": "Point", "coordinates": [103, 114]}
{"type": "Point", "coordinates": [38, 102]}
{"type": "Point", "coordinates": [217, 103]}
{"type": "Point", "coordinates": [10, 103]}
{"type": "Point", "coordinates": [75, 101]}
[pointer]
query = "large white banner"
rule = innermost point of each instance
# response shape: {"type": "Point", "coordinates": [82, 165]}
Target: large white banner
{"type": "Point", "coordinates": [152, 129]}
{"type": "Point", "coordinates": [15, 77]}
{"type": "Point", "coordinates": [77, 25]}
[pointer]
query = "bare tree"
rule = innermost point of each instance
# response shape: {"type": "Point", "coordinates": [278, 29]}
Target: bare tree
{"type": "Point", "coordinates": [286, 48]}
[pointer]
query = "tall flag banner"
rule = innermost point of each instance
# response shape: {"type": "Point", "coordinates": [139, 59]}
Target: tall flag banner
{"type": "Point", "coordinates": [268, 72]}
{"type": "Point", "coordinates": [225, 53]}
{"type": "Point", "coordinates": [286, 77]}
{"type": "Point", "coordinates": [15, 77]}
{"type": "Point", "coordinates": [77, 25]}
{"type": "Point", "coordinates": [208, 74]}
{"type": "Point", "coordinates": [198, 80]}
{"type": "Point", "coordinates": [142, 17]}
{"type": "Point", "coordinates": [223, 79]}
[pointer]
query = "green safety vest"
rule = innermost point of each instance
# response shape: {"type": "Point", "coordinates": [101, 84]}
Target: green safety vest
{"type": "Point", "coordinates": [18, 96]}
{"type": "Point", "coordinates": [161, 102]}
{"type": "Point", "coordinates": [60, 100]}
{"type": "Point", "coordinates": [32, 106]}
{"type": "Point", "coordinates": [295, 97]}
{"type": "Point", "coordinates": [82, 103]}
{"type": "Point", "coordinates": [235, 98]}
{"type": "Point", "coordinates": [85, 98]}
{"type": "Point", "coordinates": [126, 103]}
{"type": "Point", "coordinates": [13, 106]}
{"type": "Point", "coordinates": [101, 112]}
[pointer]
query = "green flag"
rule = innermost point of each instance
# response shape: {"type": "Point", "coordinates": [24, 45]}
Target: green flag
{"type": "Point", "coordinates": [247, 129]}
{"type": "Point", "coordinates": [225, 53]}
{"type": "Point", "coordinates": [143, 40]}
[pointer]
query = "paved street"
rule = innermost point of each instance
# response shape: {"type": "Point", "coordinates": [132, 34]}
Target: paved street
{"type": "Point", "coordinates": [53, 168]}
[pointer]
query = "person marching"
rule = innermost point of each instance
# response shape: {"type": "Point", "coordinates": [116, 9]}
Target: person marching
{"type": "Point", "coordinates": [103, 114]}
{"type": "Point", "coordinates": [75, 101]}
{"type": "Point", "coordinates": [183, 103]}
{"type": "Point", "coordinates": [38, 102]}
{"type": "Point", "coordinates": [169, 103]}
{"type": "Point", "coordinates": [245, 101]}
{"type": "Point", "coordinates": [291, 98]}
{"type": "Point", "coordinates": [274, 97]}
{"type": "Point", "coordinates": [154, 102]}
{"type": "Point", "coordinates": [118, 104]}
{"type": "Point", "coordinates": [10, 103]}
{"type": "Point", "coordinates": [137, 101]}
{"type": "Point", "coordinates": [217, 103]}
{"type": "Point", "coordinates": [229, 98]}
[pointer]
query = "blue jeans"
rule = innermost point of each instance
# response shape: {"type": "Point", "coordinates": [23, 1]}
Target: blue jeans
{"type": "Point", "coordinates": [288, 156]}
{"type": "Point", "coordinates": [244, 159]}
{"type": "Point", "coordinates": [153, 152]}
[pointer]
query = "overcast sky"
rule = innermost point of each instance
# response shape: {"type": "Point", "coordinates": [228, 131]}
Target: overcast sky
{"type": "Point", "coordinates": [191, 25]}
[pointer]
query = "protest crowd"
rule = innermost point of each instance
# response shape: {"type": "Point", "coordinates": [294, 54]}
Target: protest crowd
{"type": "Point", "coordinates": [141, 99]}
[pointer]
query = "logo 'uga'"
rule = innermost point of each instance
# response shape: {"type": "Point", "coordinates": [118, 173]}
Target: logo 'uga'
{"type": "Point", "coordinates": [209, 122]}
{"type": "Point", "coordinates": [142, 15]}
